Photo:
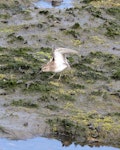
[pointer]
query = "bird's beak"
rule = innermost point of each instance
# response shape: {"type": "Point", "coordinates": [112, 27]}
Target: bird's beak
{"type": "Point", "coordinates": [40, 70]}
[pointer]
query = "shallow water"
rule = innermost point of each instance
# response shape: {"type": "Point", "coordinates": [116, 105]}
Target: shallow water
{"type": "Point", "coordinates": [44, 144]}
{"type": "Point", "coordinates": [45, 4]}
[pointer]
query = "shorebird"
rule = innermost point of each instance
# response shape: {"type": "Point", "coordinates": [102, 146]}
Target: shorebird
{"type": "Point", "coordinates": [58, 62]}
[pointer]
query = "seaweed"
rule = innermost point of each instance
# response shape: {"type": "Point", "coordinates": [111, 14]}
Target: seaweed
{"type": "Point", "coordinates": [112, 29]}
{"type": "Point", "coordinates": [24, 103]}
{"type": "Point", "coordinates": [114, 11]}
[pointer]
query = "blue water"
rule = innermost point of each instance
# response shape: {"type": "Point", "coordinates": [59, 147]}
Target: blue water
{"type": "Point", "coordinates": [44, 4]}
{"type": "Point", "coordinates": [44, 144]}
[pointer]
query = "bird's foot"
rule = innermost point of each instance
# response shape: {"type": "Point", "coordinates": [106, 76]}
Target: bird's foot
{"type": "Point", "coordinates": [52, 76]}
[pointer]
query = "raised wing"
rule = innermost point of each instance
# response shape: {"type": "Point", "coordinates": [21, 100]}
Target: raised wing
{"type": "Point", "coordinates": [65, 51]}
{"type": "Point", "coordinates": [59, 54]}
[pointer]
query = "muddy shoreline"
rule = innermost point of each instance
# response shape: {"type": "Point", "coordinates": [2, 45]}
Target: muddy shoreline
{"type": "Point", "coordinates": [86, 109]}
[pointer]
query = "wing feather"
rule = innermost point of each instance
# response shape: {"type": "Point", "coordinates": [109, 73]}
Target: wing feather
{"type": "Point", "coordinates": [59, 54]}
{"type": "Point", "coordinates": [65, 51]}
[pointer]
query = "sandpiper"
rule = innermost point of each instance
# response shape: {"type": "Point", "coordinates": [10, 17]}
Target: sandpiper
{"type": "Point", "coordinates": [58, 62]}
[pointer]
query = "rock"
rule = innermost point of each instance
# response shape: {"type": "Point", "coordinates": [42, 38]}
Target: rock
{"type": "Point", "coordinates": [29, 83]}
{"type": "Point", "coordinates": [116, 94]}
{"type": "Point", "coordinates": [19, 81]}
{"type": "Point", "coordinates": [4, 21]}
{"type": "Point", "coordinates": [95, 135]}
{"type": "Point", "coordinates": [115, 48]}
{"type": "Point", "coordinates": [26, 42]}
{"type": "Point", "coordinates": [91, 126]}
{"type": "Point", "coordinates": [25, 124]}
{"type": "Point", "coordinates": [3, 92]}
{"type": "Point", "coordinates": [56, 2]}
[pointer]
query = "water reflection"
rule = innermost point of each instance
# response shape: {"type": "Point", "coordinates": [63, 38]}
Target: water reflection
{"type": "Point", "coordinates": [44, 144]}
{"type": "Point", "coordinates": [53, 3]}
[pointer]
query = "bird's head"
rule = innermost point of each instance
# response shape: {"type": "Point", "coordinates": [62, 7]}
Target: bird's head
{"type": "Point", "coordinates": [45, 68]}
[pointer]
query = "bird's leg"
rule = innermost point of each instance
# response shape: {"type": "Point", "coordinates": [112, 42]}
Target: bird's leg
{"type": "Point", "coordinates": [52, 76]}
{"type": "Point", "coordinates": [60, 77]}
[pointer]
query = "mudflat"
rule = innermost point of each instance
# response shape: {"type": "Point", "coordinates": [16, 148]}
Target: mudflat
{"type": "Point", "coordinates": [85, 104]}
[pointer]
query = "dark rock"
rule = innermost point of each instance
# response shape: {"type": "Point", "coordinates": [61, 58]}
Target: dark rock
{"type": "Point", "coordinates": [4, 21]}
{"type": "Point", "coordinates": [95, 135]}
{"type": "Point", "coordinates": [56, 2]}
{"type": "Point", "coordinates": [3, 92]}
{"type": "Point", "coordinates": [115, 48]}
{"type": "Point", "coordinates": [25, 124]}
{"type": "Point", "coordinates": [25, 42]}
{"type": "Point", "coordinates": [91, 126]}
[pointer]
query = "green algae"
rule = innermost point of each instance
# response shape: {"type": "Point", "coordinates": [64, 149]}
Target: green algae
{"type": "Point", "coordinates": [91, 76]}
{"type": "Point", "coordinates": [114, 11]}
{"type": "Point", "coordinates": [40, 87]}
{"type": "Point", "coordinates": [77, 86]}
{"type": "Point", "coordinates": [67, 97]}
{"type": "Point", "coordinates": [24, 103]}
{"type": "Point", "coordinates": [95, 12]}
{"type": "Point", "coordinates": [44, 12]}
{"type": "Point", "coordinates": [15, 39]}
{"type": "Point", "coordinates": [112, 29]}
{"type": "Point", "coordinates": [4, 6]}
{"type": "Point", "coordinates": [64, 127]}
{"type": "Point", "coordinates": [52, 107]}
{"type": "Point", "coordinates": [115, 114]}
{"type": "Point", "coordinates": [27, 63]}
{"type": "Point", "coordinates": [116, 75]}
{"type": "Point", "coordinates": [88, 1]}
{"type": "Point", "coordinates": [96, 92]}
{"type": "Point", "coordinates": [18, 61]}
{"type": "Point", "coordinates": [76, 26]}
{"type": "Point", "coordinates": [4, 16]}
{"type": "Point", "coordinates": [3, 130]}
{"type": "Point", "coordinates": [11, 29]}
{"type": "Point", "coordinates": [72, 32]}
{"type": "Point", "coordinates": [46, 49]}
{"type": "Point", "coordinates": [8, 83]}
{"type": "Point", "coordinates": [90, 125]}
{"type": "Point", "coordinates": [88, 73]}
{"type": "Point", "coordinates": [99, 55]}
